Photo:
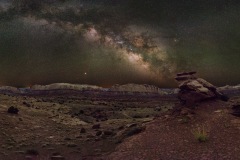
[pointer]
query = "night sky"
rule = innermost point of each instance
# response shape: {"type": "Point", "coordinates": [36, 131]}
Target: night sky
{"type": "Point", "coordinates": [117, 42]}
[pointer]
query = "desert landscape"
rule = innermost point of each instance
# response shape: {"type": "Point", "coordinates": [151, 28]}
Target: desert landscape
{"type": "Point", "coordinates": [67, 121]}
{"type": "Point", "coordinates": [86, 123]}
{"type": "Point", "coordinates": [119, 80]}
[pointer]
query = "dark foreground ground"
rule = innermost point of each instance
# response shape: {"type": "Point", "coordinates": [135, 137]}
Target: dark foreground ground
{"type": "Point", "coordinates": [123, 128]}
{"type": "Point", "coordinates": [73, 127]}
{"type": "Point", "coordinates": [172, 137]}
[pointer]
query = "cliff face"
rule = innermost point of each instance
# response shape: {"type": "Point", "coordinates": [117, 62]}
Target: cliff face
{"type": "Point", "coordinates": [65, 86]}
{"type": "Point", "coordinates": [142, 88]}
{"type": "Point", "coordinates": [9, 89]}
{"type": "Point", "coordinates": [121, 90]}
{"type": "Point", "coordinates": [230, 90]}
{"type": "Point", "coordinates": [116, 90]}
{"type": "Point", "coordinates": [237, 87]}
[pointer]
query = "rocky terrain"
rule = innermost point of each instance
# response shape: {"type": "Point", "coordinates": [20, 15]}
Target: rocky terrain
{"type": "Point", "coordinates": [72, 122]}
{"type": "Point", "coordinates": [176, 137]}
{"type": "Point", "coordinates": [66, 88]}
{"type": "Point", "coordinates": [194, 89]}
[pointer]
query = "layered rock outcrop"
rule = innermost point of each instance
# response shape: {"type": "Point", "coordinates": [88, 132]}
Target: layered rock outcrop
{"type": "Point", "coordinates": [65, 86]}
{"type": "Point", "coordinates": [9, 89]}
{"type": "Point", "coordinates": [193, 89]}
{"type": "Point", "coordinates": [142, 88]}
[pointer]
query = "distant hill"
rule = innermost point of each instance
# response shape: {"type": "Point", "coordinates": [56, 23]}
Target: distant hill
{"type": "Point", "coordinates": [126, 89]}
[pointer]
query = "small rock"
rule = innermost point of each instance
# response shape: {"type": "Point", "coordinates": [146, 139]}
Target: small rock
{"type": "Point", "coordinates": [78, 137]}
{"type": "Point", "coordinates": [186, 111]}
{"type": "Point", "coordinates": [134, 130]}
{"type": "Point", "coordinates": [32, 152]}
{"type": "Point", "coordinates": [88, 139]}
{"type": "Point", "coordinates": [67, 139]}
{"type": "Point", "coordinates": [90, 136]}
{"type": "Point", "coordinates": [236, 110]}
{"type": "Point", "coordinates": [61, 101]}
{"type": "Point", "coordinates": [9, 147]}
{"type": "Point", "coordinates": [13, 110]}
{"type": "Point", "coordinates": [26, 104]}
{"type": "Point", "coordinates": [218, 111]}
{"type": "Point", "coordinates": [83, 130]}
{"type": "Point", "coordinates": [158, 108]}
{"type": "Point", "coordinates": [96, 126]}
{"type": "Point", "coordinates": [108, 133]}
{"type": "Point", "coordinates": [121, 127]}
{"type": "Point", "coordinates": [58, 157]}
{"type": "Point", "coordinates": [98, 133]}
{"type": "Point", "coordinates": [131, 125]}
{"type": "Point", "coordinates": [45, 145]}
{"type": "Point", "coordinates": [71, 145]}
{"type": "Point", "coordinates": [81, 112]}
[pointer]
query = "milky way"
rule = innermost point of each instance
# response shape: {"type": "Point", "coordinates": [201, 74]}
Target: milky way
{"type": "Point", "coordinates": [120, 42]}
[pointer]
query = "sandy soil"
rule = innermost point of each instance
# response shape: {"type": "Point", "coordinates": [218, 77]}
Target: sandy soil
{"type": "Point", "coordinates": [74, 128]}
{"type": "Point", "coordinates": [71, 127]}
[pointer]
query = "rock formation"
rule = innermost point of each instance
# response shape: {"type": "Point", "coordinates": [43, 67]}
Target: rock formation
{"type": "Point", "coordinates": [91, 90]}
{"type": "Point", "coordinates": [13, 110]}
{"type": "Point", "coordinates": [193, 89]}
{"type": "Point", "coordinates": [58, 86]}
{"type": "Point", "coordinates": [142, 88]}
{"type": "Point", "coordinates": [236, 110]}
{"type": "Point", "coordinates": [9, 89]}
{"type": "Point", "coordinates": [230, 90]}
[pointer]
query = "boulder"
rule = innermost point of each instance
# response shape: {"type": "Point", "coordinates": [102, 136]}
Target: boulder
{"type": "Point", "coordinates": [96, 126]}
{"type": "Point", "coordinates": [98, 133]}
{"type": "Point", "coordinates": [236, 110]}
{"type": "Point", "coordinates": [193, 89]}
{"type": "Point", "coordinates": [139, 88]}
{"type": "Point", "coordinates": [13, 110]}
{"type": "Point", "coordinates": [26, 104]}
{"type": "Point", "coordinates": [83, 130]}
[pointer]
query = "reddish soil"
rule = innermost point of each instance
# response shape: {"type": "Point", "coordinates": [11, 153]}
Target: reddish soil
{"type": "Point", "coordinates": [48, 128]}
{"type": "Point", "coordinates": [170, 137]}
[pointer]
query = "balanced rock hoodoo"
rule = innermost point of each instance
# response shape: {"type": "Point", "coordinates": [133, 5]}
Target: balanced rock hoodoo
{"type": "Point", "coordinates": [193, 89]}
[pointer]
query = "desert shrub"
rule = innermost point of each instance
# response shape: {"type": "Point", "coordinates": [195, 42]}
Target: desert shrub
{"type": "Point", "coordinates": [200, 133]}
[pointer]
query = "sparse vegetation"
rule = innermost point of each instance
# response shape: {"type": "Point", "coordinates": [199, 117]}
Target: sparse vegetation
{"type": "Point", "coordinates": [200, 133]}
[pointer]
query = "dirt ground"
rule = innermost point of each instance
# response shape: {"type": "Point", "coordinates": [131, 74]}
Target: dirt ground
{"type": "Point", "coordinates": [172, 137]}
{"type": "Point", "coordinates": [71, 127]}
{"type": "Point", "coordinates": [75, 128]}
